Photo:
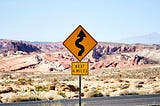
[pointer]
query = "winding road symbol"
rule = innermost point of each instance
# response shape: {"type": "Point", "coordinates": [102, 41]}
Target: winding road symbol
{"type": "Point", "coordinates": [80, 36]}
{"type": "Point", "coordinates": [80, 43]}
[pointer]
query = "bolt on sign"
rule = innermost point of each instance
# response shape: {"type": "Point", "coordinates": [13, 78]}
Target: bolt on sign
{"type": "Point", "coordinates": [80, 68]}
{"type": "Point", "coordinates": [80, 43]}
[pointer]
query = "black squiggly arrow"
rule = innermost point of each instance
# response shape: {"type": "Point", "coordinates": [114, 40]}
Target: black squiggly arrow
{"type": "Point", "coordinates": [80, 36]}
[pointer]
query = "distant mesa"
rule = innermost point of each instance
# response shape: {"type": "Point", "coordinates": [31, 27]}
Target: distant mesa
{"type": "Point", "coordinates": [152, 38]}
{"type": "Point", "coordinates": [10, 45]}
{"type": "Point", "coordinates": [28, 47]}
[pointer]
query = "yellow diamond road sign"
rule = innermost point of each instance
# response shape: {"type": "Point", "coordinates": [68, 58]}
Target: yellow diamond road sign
{"type": "Point", "coordinates": [79, 68]}
{"type": "Point", "coordinates": [80, 43]}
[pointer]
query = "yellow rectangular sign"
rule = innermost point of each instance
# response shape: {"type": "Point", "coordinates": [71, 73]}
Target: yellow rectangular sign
{"type": "Point", "coordinates": [80, 68]}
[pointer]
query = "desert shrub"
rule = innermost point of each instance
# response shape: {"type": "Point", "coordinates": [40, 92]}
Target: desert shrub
{"type": "Point", "coordinates": [51, 69]}
{"type": "Point", "coordinates": [141, 82]}
{"type": "Point", "coordinates": [138, 86]}
{"type": "Point", "coordinates": [52, 87]}
{"type": "Point", "coordinates": [41, 88]}
{"type": "Point", "coordinates": [34, 98]}
{"type": "Point", "coordinates": [106, 81]}
{"type": "Point", "coordinates": [128, 92]}
{"type": "Point", "coordinates": [55, 80]}
{"type": "Point", "coordinates": [120, 80]}
{"type": "Point", "coordinates": [85, 86]}
{"type": "Point", "coordinates": [61, 93]}
{"type": "Point", "coordinates": [124, 86]}
{"type": "Point", "coordinates": [23, 81]}
{"type": "Point", "coordinates": [73, 88]}
{"type": "Point", "coordinates": [93, 93]}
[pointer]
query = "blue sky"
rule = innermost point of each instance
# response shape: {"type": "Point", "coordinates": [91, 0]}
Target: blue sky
{"type": "Point", "coordinates": [54, 20]}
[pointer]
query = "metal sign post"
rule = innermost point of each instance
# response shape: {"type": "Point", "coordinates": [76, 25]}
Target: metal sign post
{"type": "Point", "coordinates": [79, 90]}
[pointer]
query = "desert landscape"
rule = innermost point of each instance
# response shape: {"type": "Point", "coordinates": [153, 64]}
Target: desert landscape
{"type": "Point", "coordinates": [32, 71]}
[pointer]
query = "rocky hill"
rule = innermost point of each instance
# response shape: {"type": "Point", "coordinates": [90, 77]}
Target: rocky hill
{"type": "Point", "coordinates": [55, 57]}
{"type": "Point", "coordinates": [108, 48]}
{"type": "Point", "coordinates": [104, 48]}
{"type": "Point", "coordinates": [13, 46]}
{"type": "Point", "coordinates": [152, 38]}
{"type": "Point", "coordinates": [49, 46]}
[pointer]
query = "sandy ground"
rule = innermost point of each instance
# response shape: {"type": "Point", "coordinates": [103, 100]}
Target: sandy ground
{"type": "Point", "coordinates": [41, 85]}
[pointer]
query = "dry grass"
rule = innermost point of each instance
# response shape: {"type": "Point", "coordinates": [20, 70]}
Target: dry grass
{"type": "Point", "coordinates": [16, 87]}
{"type": "Point", "coordinates": [93, 93]}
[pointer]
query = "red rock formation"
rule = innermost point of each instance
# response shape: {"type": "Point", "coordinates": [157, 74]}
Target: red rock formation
{"type": "Point", "coordinates": [8, 45]}
{"type": "Point", "coordinates": [102, 56]}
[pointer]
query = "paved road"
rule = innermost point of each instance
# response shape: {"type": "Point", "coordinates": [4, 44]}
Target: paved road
{"type": "Point", "coordinates": [143, 100]}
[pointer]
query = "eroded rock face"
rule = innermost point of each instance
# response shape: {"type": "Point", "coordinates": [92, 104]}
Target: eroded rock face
{"type": "Point", "coordinates": [59, 61]}
{"type": "Point", "coordinates": [20, 46]}
{"type": "Point", "coordinates": [100, 50]}
{"type": "Point", "coordinates": [16, 63]}
{"type": "Point", "coordinates": [8, 45]}
{"type": "Point", "coordinates": [19, 56]}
